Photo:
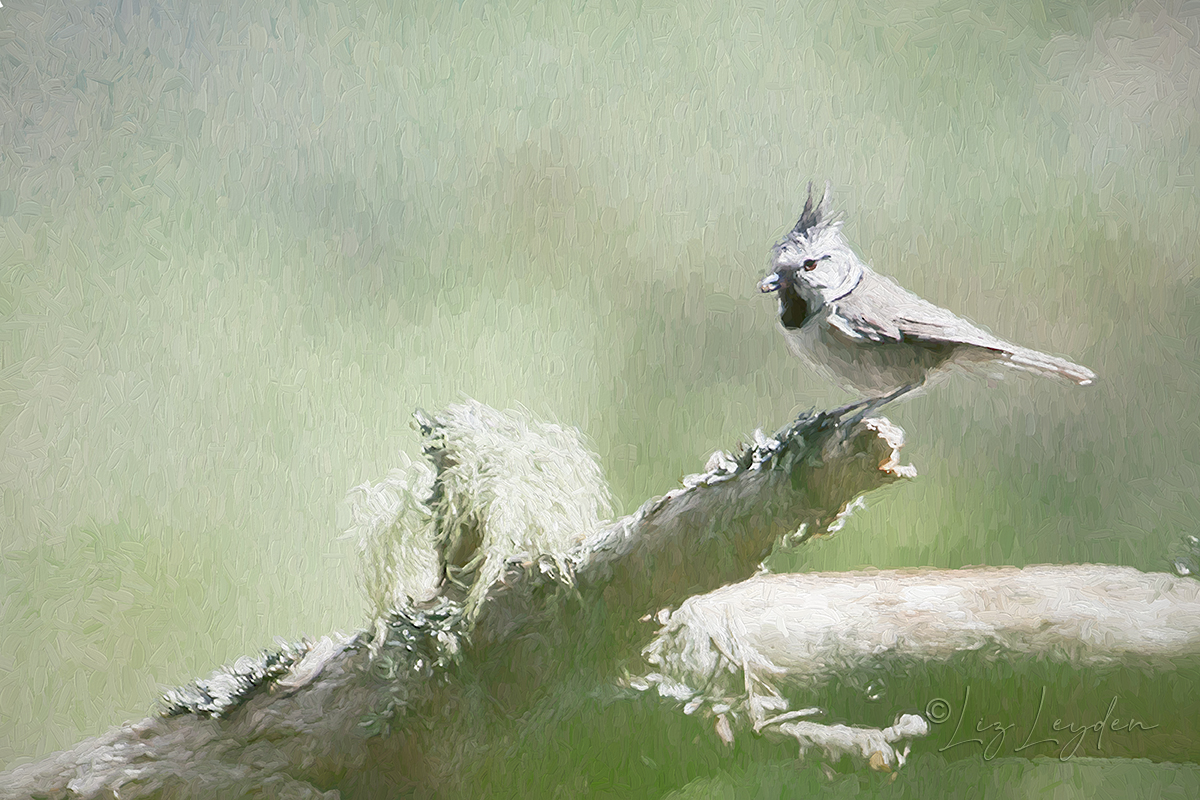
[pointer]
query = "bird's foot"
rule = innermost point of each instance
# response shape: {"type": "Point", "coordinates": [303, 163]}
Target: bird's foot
{"type": "Point", "coordinates": [869, 406]}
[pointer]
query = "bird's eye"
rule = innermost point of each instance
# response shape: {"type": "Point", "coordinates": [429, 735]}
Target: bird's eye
{"type": "Point", "coordinates": [809, 265]}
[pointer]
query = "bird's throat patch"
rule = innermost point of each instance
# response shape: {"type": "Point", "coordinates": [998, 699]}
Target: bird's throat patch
{"type": "Point", "coordinates": [792, 309]}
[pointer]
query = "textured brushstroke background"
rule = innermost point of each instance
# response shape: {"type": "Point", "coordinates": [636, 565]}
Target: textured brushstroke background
{"type": "Point", "coordinates": [238, 245]}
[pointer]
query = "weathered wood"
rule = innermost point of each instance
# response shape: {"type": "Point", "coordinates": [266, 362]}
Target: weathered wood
{"type": "Point", "coordinates": [303, 726]}
{"type": "Point", "coordinates": [733, 652]}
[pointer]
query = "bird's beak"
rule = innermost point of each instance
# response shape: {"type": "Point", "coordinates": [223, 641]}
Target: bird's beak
{"type": "Point", "coordinates": [770, 283]}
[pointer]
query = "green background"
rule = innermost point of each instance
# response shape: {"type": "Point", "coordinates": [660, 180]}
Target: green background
{"type": "Point", "coordinates": [240, 243]}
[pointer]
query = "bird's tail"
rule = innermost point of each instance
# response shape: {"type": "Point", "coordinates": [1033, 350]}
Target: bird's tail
{"type": "Point", "coordinates": [1051, 366]}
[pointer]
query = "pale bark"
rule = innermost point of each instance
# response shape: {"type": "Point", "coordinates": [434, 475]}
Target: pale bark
{"type": "Point", "coordinates": [394, 709]}
{"type": "Point", "coordinates": [297, 731]}
{"type": "Point", "coordinates": [735, 653]}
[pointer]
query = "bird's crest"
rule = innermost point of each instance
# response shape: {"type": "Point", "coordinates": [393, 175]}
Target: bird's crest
{"type": "Point", "coordinates": [814, 217]}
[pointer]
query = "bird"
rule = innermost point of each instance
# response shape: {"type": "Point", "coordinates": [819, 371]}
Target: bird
{"type": "Point", "coordinates": [868, 333]}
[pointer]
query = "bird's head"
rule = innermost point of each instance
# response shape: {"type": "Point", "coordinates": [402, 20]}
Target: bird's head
{"type": "Point", "coordinates": [813, 261]}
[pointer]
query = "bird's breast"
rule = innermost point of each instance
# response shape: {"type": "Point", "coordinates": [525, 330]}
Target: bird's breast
{"type": "Point", "coordinates": [869, 368]}
{"type": "Point", "coordinates": [807, 342]}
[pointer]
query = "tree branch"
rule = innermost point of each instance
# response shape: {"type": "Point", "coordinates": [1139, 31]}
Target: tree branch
{"type": "Point", "coordinates": [527, 592]}
{"type": "Point", "coordinates": [734, 651]}
{"type": "Point", "coordinates": [724, 522]}
{"type": "Point", "coordinates": [512, 514]}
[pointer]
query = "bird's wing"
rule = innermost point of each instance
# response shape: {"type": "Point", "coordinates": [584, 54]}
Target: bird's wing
{"type": "Point", "coordinates": [880, 310]}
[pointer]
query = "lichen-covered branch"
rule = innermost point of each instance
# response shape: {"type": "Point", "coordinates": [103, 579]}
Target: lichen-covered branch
{"type": "Point", "coordinates": [493, 579]}
{"type": "Point", "coordinates": [718, 528]}
{"type": "Point", "coordinates": [263, 742]}
{"type": "Point", "coordinates": [511, 508]}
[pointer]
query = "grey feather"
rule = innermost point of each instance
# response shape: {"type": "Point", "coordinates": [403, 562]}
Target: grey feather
{"type": "Point", "coordinates": [880, 310]}
{"type": "Point", "coordinates": [885, 311]}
